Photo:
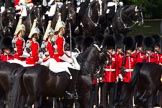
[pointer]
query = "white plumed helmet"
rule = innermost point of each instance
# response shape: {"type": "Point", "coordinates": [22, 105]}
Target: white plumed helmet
{"type": "Point", "coordinates": [35, 30]}
{"type": "Point", "coordinates": [59, 24]}
{"type": "Point", "coordinates": [20, 27]}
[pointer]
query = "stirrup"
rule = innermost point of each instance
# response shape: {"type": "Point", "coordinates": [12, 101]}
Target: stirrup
{"type": "Point", "coordinates": [71, 95]}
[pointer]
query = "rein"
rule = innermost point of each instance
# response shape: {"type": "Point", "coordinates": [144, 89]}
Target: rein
{"type": "Point", "coordinates": [89, 16]}
{"type": "Point", "coordinates": [1, 26]}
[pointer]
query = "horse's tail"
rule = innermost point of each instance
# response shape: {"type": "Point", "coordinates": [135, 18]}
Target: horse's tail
{"type": "Point", "coordinates": [15, 93]}
{"type": "Point", "coordinates": [135, 76]}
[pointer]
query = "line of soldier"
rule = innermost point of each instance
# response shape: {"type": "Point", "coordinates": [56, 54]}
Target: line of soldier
{"type": "Point", "coordinates": [125, 53]}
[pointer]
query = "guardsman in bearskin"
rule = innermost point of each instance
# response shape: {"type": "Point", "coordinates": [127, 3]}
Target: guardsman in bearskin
{"type": "Point", "coordinates": [18, 42]}
{"type": "Point", "coordinates": [158, 55]}
{"type": "Point", "coordinates": [32, 46]}
{"type": "Point", "coordinates": [157, 48]}
{"type": "Point", "coordinates": [139, 49]}
{"type": "Point", "coordinates": [148, 48]}
{"type": "Point", "coordinates": [149, 57]}
{"type": "Point", "coordinates": [109, 77]}
{"type": "Point", "coordinates": [119, 54]}
{"type": "Point", "coordinates": [127, 65]}
{"type": "Point", "coordinates": [6, 48]}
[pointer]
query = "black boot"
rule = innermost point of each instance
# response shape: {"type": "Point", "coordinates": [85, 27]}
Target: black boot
{"type": "Point", "coordinates": [71, 93]}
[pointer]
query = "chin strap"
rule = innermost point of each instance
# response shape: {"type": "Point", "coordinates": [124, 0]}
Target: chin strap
{"type": "Point", "coordinates": [98, 48]}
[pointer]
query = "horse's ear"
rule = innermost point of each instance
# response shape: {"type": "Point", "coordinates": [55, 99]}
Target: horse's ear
{"type": "Point", "coordinates": [140, 7]}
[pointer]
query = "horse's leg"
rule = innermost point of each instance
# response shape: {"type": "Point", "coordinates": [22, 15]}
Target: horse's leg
{"type": "Point", "coordinates": [84, 100]}
{"type": "Point", "coordinates": [22, 102]}
{"type": "Point", "coordinates": [30, 101]}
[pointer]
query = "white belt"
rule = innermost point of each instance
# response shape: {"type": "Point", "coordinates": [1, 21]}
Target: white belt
{"type": "Point", "coordinates": [110, 70]}
{"type": "Point", "coordinates": [128, 70]}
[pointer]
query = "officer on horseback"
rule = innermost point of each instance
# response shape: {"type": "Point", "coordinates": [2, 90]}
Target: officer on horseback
{"type": "Point", "coordinates": [111, 9]}
{"type": "Point", "coordinates": [21, 5]}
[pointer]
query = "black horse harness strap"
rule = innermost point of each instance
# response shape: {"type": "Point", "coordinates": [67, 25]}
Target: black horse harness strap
{"type": "Point", "coordinates": [119, 14]}
{"type": "Point", "coordinates": [89, 15]}
{"type": "Point", "coordinates": [1, 26]}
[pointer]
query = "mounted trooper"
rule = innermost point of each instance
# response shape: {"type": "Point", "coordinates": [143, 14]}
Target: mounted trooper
{"type": "Point", "coordinates": [59, 57]}
{"type": "Point", "coordinates": [21, 5]}
{"type": "Point", "coordinates": [111, 8]}
{"type": "Point", "coordinates": [53, 5]}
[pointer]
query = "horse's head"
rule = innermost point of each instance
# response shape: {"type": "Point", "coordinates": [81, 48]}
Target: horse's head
{"type": "Point", "coordinates": [10, 17]}
{"type": "Point", "coordinates": [133, 14]}
{"type": "Point", "coordinates": [137, 15]}
{"type": "Point", "coordinates": [68, 12]}
{"type": "Point", "coordinates": [8, 21]}
{"type": "Point", "coordinates": [93, 59]}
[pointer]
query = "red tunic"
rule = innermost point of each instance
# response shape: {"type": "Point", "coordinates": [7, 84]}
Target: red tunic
{"type": "Point", "coordinates": [59, 50]}
{"type": "Point", "coordinates": [50, 49]}
{"type": "Point", "coordinates": [16, 3]}
{"type": "Point", "coordinates": [110, 71]}
{"type": "Point", "coordinates": [34, 47]}
{"type": "Point", "coordinates": [19, 46]}
{"type": "Point", "coordinates": [119, 58]}
{"type": "Point", "coordinates": [157, 57]}
{"type": "Point", "coordinates": [129, 65]}
{"type": "Point", "coordinates": [4, 58]}
{"type": "Point", "coordinates": [139, 57]}
{"type": "Point", "coordinates": [151, 58]}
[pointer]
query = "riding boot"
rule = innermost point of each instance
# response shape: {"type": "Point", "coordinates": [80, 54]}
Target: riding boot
{"type": "Point", "coordinates": [71, 93]}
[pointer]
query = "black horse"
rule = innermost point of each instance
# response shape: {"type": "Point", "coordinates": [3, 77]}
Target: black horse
{"type": "Point", "coordinates": [68, 15]}
{"type": "Point", "coordinates": [38, 81]}
{"type": "Point", "coordinates": [146, 80]}
{"type": "Point", "coordinates": [8, 22]}
{"type": "Point", "coordinates": [8, 74]}
{"type": "Point", "coordinates": [127, 17]}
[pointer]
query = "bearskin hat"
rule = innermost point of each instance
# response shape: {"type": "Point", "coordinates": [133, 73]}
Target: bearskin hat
{"type": "Point", "coordinates": [87, 42]}
{"type": "Point", "coordinates": [98, 39]}
{"type": "Point", "coordinates": [118, 41]}
{"type": "Point", "coordinates": [138, 40]}
{"type": "Point", "coordinates": [6, 42]}
{"type": "Point", "coordinates": [148, 43]}
{"type": "Point", "coordinates": [157, 40]}
{"type": "Point", "coordinates": [129, 43]}
{"type": "Point", "coordinates": [109, 42]}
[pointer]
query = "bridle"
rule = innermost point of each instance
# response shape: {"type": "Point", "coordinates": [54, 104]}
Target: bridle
{"type": "Point", "coordinates": [128, 17]}
{"type": "Point", "coordinates": [89, 15]}
{"type": "Point", "coordinates": [83, 60]}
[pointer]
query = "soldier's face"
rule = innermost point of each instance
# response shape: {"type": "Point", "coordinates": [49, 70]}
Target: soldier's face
{"type": "Point", "coordinates": [119, 50]}
{"type": "Point", "coordinates": [7, 51]}
{"type": "Point", "coordinates": [148, 51]}
{"type": "Point", "coordinates": [157, 48]}
{"type": "Point", "coordinates": [139, 48]}
{"type": "Point", "coordinates": [22, 32]}
{"type": "Point", "coordinates": [110, 51]}
{"type": "Point", "coordinates": [128, 52]}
